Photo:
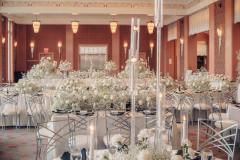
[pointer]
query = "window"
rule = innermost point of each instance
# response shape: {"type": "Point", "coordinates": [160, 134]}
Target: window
{"type": "Point", "coordinates": [92, 56]}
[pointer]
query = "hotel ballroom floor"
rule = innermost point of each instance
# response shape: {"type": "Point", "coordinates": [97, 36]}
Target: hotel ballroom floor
{"type": "Point", "coordinates": [20, 144]}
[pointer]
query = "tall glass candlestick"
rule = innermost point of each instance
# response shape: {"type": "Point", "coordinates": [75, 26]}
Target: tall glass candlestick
{"type": "Point", "coordinates": [159, 95]}
{"type": "Point", "coordinates": [184, 117]}
{"type": "Point", "coordinates": [92, 142]}
{"type": "Point", "coordinates": [133, 56]}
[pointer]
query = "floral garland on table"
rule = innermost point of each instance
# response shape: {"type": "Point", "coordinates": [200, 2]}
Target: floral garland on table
{"type": "Point", "coordinates": [65, 66]}
{"type": "Point", "coordinates": [27, 87]}
{"type": "Point", "coordinates": [46, 67]}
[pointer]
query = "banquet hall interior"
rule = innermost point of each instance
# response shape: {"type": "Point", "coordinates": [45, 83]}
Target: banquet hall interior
{"type": "Point", "coordinates": [119, 80]}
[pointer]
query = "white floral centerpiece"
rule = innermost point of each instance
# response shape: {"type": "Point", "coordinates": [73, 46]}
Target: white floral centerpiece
{"type": "Point", "coordinates": [65, 101]}
{"type": "Point", "coordinates": [144, 138]}
{"type": "Point", "coordinates": [146, 97]}
{"type": "Point", "coordinates": [219, 82]}
{"type": "Point", "coordinates": [46, 67]}
{"type": "Point", "coordinates": [120, 143]}
{"type": "Point", "coordinates": [110, 66]}
{"type": "Point", "coordinates": [142, 70]}
{"type": "Point", "coordinates": [65, 66]}
{"type": "Point", "coordinates": [168, 81]}
{"type": "Point", "coordinates": [27, 87]}
{"type": "Point", "coordinates": [79, 74]}
{"type": "Point", "coordinates": [71, 85]}
{"type": "Point", "coordinates": [198, 83]}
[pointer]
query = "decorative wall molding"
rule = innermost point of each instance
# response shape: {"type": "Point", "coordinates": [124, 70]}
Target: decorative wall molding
{"type": "Point", "coordinates": [19, 10]}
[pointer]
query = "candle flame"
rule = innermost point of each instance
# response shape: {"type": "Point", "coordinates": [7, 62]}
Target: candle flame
{"type": "Point", "coordinates": [184, 118]}
{"type": "Point", "coordinates": [134, 60]}
{"type": "Point", "coordinates": [91, 127]}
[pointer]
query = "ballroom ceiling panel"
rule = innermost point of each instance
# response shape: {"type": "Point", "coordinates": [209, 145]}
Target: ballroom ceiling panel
{"type": "Point", "coordinates": [95, 11]}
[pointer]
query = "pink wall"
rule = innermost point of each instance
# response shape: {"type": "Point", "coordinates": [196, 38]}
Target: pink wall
{"type": "Point", "coordinates": [236, 46]}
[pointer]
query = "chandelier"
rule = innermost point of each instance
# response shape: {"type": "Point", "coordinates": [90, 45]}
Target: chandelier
{"type": "Point", "coordinates": [150, 27]}
{"type": "Point", "coordinates": [75, 26]}
{"type": "Point", "coordinates": [36, 25]}
{"type": "Point", "coordinates": [113, 26]}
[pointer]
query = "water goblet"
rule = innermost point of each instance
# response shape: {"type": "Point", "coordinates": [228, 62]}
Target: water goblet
{"type": "Point", "coordinates": [206, 154]}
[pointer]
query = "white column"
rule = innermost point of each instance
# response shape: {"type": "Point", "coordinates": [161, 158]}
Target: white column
{"type": "Point", "coordinates": [10, 52]}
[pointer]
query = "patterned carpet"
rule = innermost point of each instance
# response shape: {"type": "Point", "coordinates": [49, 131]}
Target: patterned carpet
{"type": "Point", "coordinates": [20, 144]}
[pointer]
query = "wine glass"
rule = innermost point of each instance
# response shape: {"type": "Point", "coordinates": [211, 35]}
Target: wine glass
{"type": "Point", "coordinates": [206, 154]}
{"type": "Point", "coordinates": [112, 150]}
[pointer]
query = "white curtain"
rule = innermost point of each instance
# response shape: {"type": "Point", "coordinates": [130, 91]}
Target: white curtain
{"type": "Point", "coordinates": [172, 31]}
{"type": "Point", "coordinates": [237, 11]}
{"type": "Point", "coordinates": [93, 56]}
{"type": "Point", "coordinates": [199, 22]}
{"type": "Point", "coordinates": [201, 48]}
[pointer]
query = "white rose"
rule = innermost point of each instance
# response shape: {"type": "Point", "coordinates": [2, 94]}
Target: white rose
{"type": "Point", "coordinates": [140, 102]}
{"type": "Point", "coordinates": [148, 99]}
{"type": "Point", "coordinates": [112, 97]}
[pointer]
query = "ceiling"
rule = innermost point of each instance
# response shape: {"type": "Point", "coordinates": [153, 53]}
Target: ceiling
{"type": "Point", "coordinates": [96, 11]}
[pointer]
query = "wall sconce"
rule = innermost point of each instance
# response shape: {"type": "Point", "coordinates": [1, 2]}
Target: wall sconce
{"type": "Point", "coordinates": [125, 46]}
{"type": "Point", "coordinates": [151, 45]}
{"type": "Point", "coordinates": [32, 45]}
{"type": "Point", "coordinates": [3, 40]}
{"type": "Point", "coordinates": [219, 34]}
{"type": "Point", "coordinates": [181, 46]}
{"type": "Point", "coordinates": [59, 48]}
{"type": "Point", "coordinates": [15, 44]}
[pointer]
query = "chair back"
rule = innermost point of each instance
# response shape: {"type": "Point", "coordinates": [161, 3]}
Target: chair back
{"type": "Point", "coordinates": [38, 111]}
{"type": "Point", "coordinates": [210, 137]}
{"type": "Point", "coordinates": [52, 139]}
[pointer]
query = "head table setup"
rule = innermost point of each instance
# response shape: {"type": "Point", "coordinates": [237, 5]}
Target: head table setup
{"type": "Point", "coordinates": [135, 114]}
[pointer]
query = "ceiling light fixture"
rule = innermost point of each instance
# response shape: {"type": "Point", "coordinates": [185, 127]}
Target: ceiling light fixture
{"type": "Point", "coordinates": [150, 27]}
{"type": "Point", "coordinates": [113, 26]}
{"type": "Point", "coordinates": [36, 25]}
{"type": "Point", "coordinates": [75, 25]}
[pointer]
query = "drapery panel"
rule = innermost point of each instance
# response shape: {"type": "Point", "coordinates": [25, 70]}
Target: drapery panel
{"type": "Point", "coordinates": [237, 11]}
{"type": "Point", "coordinates": [172, 31]}
{"type": "Point", "coordinates": [199, 22]}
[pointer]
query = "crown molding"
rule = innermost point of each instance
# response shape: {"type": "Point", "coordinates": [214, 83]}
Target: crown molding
{"type": "Point", "coordinates": [96, 11]}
